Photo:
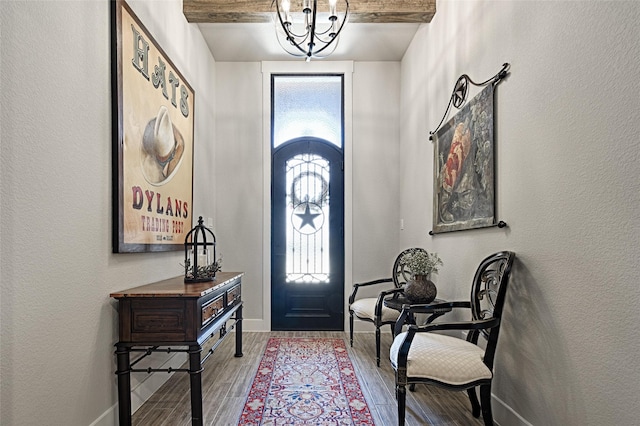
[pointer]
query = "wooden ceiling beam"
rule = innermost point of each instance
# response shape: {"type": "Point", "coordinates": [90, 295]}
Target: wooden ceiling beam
{"type": "Point", "coordinates": [361, 11]}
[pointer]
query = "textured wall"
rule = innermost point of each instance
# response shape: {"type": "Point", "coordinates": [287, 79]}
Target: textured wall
{"type": "Point", "coordinates": [239, 171]}
{"type": "Point", "coordinates": [58, 324]}
{"type": "Point", "coordinates": [567, 174]}
{"type": "Point", "coordinates": [376, 137]}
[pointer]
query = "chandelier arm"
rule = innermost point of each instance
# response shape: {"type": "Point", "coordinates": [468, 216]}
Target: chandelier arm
{"type": "Point", "coordinates": [293, 35]}
{"type": "Point", "coordinates": [344, 21]}
{"type": "Point", "coordinates": [324, 33]}
{"type": "Point", "coordinates": [321, 53]}
{"type": "Point", "coordinates": [289, 34]}
{"type": "Point", "coordinates": [313, 29]}
{"type": "Point", "coordinates": [324, 38]}
{"type": "Point", "coordinates": [310, 37]}
{"type": "Point", "coordinates": [290, 52]}
{"type": "Point", "coordinates": [291, 38]}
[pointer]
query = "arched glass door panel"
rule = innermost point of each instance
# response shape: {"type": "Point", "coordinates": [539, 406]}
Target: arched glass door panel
{"type": "Point", "coordinates": [307, 280]}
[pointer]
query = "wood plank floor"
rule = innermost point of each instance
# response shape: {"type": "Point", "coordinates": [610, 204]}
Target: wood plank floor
{"type": "Point", "coordinates": [226, 381]}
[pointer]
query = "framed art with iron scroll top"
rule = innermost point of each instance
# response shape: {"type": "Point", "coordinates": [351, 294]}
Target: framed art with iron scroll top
{"type": "Point", "coordinates": [153, 127]}
{"type": "Point", "coordinates": [464, 168]}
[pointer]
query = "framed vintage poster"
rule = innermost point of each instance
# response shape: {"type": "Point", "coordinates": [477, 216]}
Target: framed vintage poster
{"type": "Point", "coordinates": [153, 127]}
{"type": "Point", "coordinates": [464, 168]}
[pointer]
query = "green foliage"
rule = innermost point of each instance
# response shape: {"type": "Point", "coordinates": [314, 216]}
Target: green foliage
{"type": "Point", "coordinates": [207, 271]}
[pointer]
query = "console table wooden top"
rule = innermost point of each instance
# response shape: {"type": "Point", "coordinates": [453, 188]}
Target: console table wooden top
{"type": "Point", "coordinates": [176, 287]}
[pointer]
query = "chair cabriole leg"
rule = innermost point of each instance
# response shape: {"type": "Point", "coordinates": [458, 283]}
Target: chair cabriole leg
{"type": "Point", "coordinates": [378, 345]}
{"type": "Point", "coordinates": [351, 328]}
{"type": "Point", "coordinates": [401, 396]}
{"type": "Point", "coordinates": [485, 401]}
{"type": "Point", "coordinates": [475, 405]}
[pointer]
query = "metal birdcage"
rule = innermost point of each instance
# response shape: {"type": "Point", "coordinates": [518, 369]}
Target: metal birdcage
{"type": "Point", "coordinates": [200, 261]}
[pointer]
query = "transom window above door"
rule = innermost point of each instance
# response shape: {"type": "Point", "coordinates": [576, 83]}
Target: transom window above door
{"type": "Point", "coordinates": [305, 105]}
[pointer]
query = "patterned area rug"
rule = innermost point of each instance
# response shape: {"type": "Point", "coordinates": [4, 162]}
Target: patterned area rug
{"type": "Point", "coordinates": [305, 381]}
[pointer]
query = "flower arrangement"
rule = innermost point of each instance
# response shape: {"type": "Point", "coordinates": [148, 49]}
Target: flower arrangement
{"type": "Point", "coordinates": [422, 262]}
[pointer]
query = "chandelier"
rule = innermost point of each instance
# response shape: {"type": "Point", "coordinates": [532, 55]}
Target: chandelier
{"type": "Point", "coordinates": [315, 34]}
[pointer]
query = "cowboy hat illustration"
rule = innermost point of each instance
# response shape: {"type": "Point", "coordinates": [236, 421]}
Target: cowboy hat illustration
{"type": "Point", "coordinates": [162, 148]}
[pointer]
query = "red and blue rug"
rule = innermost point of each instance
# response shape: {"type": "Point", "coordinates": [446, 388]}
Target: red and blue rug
{"type": "Point", "coordinates": [305, 381]}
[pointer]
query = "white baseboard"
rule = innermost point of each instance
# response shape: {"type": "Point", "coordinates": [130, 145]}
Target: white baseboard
{"type": "Point", "coordinates": [141, 393]}
{"type": "Point", "coordinates": [255, 325]}
{"type": "Point", "coordinates": [108, 418]}
{"type": "Point", "coordinates": [150, 383]}
{"type": "Point", "coordinates": [143, 390]}
{"type": "Point", "coordinates": [506, 414]}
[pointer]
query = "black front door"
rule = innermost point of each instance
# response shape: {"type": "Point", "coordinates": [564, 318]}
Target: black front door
{"type": "Point", "coordinates": [307, 246]}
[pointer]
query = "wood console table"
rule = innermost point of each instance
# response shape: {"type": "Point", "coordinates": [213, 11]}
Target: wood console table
{"type": "Point", "coordinates": [171, 314]}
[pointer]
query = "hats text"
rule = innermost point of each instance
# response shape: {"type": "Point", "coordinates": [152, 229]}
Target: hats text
{"type": "Point", "coordinates": [140, 62]}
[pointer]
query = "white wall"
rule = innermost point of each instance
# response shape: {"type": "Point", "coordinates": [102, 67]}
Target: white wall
{"type": "Point", "coordinates": [243, 173]}
{"type": "Point", "coordinates": [376, 164]}
{"type": "Point", "coordinates": [58, 324]}
{"type": "Point", "coordinates": [567, 174]}
{"type": "Point", "coordinates": [238, 170]}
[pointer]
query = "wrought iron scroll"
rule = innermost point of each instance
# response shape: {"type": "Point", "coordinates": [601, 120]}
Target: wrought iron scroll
{"type": "Point", "coordinates": [461, 90]}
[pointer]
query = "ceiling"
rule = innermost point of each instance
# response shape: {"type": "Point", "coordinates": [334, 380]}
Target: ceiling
{"type": "Point", "coordinates": [243, 30]}
{"type": "Point", "coordinates": [250, 42]}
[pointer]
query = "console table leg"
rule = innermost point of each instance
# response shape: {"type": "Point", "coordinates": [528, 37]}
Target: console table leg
{"type": "Point", "coordinates": [195, 375]}
{"type": "Point", "coordinates": [124, 385]}
{"type": "Point", "coordinates": [239, 353]}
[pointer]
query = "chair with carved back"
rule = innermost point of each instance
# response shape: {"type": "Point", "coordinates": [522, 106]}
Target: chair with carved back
{"type": "Point", "coordinates": [420, 356]}
{"type": "Point", "coordinates": [372, 309]}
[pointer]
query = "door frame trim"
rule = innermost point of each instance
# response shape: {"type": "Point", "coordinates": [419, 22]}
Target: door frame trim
{"type": "Point", "coordinates": [301, 67]}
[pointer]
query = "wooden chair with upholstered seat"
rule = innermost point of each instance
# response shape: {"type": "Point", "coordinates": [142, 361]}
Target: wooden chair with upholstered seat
{"type": "Point", "coordinates": [420, 356]}
{"type": "Point", "coordinates": [372, 309]}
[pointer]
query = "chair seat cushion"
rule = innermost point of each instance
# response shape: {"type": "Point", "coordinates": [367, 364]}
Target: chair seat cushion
{"type": "Point", "coordinates": [446, 359]}
{"type": "Point", "coordinates": [366, 308]}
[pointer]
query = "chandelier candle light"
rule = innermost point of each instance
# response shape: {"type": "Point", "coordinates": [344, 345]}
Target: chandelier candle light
{"type": "Point", "coordinates": [310, 37]}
